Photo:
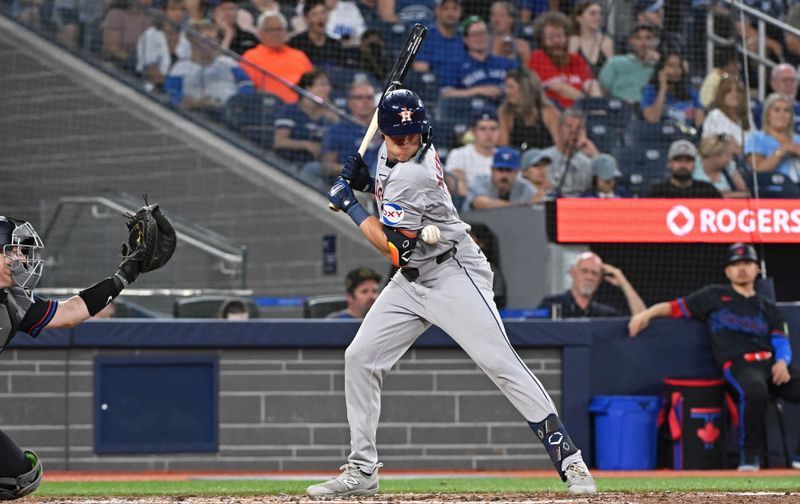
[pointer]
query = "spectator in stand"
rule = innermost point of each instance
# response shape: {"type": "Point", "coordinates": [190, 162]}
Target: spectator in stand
{"type": "Point", "coordinates": [783, 80]}
{"type": "Point", "coordinates": [572, 154]}
{"type": "Point", "coordinates": [248, 15]}
{"type": "Point", "coordinates": [475, 159]}
{"type": "Point", "coordinates": [750, 342]}
{"type": "Point", "coordinates": [443, 43]}
{"type": "Point", "coordinates": [730, 115]}
{"type": "Point", "coordinates": [158, 45]}
{"type": "Point", "coordinates": [502, 187]}
{"type": "Point", "coordinates": [776, 148]}
{"type": "Point", "coordinates": [502, 18]}
{"type": "Point", "coordinates": [372, 55]}
{"type": "Point", "coordinates": [74, 20]}
{"type": "Point", "coordinates": [322, 50]}
{"type": "Point", "coordinates": [275, 57]}
{"type": "Point", "coordinates": [196, 10]}
{"type": "Point", "coordinates": [605, 175]}
{"type": "Point", "coordinates": [300, 127]}
{"type": "Point", "coordinates": [362, 286]}
{"type": "Point", "coordinates": [588, 271]}
{"type": "Point", "coordinates": [344, 138]}
{"type": "Point", "coordinates": [651, 12]}
{"type": "Point", "coordinates": [588, 39]}
{"type": "Point", "coordinates": [791, 42]}
{"type": "Point", "coordinates": [345, 22]}
{"type": "Point", "coordinates": [233, 37]}
{"type": "Point", "coordinates": [625, 76]}
{"type": "Point", "coordinates": [234, 309]}
{"type": "Point", "coordinates": [670, 97]}
{"type": "Point", "coordinates": [715, 165]}
{"type": "Point", "coordinates": [478, 73]}
{"type": "Point", "coordinates": [405, 11]}
{"type": "Point", "coordinates": [124, 23]}
{"type": "Point", "coordinates": [747, 28]}
{"type": "Point", "coordinates": [682, 156]}
{"type": "Point", "coordinates": [727, 65]}
{"type": "Point", "coordinates": [209, 78]}
{"type": "Point", "coordinates": [566, 76]}
{"type": "Point", "coordinates": [536, 170]}
{"type": "Point", "coordinates": [527, 117]}
{"type": "Point", "coordinates": [531, 9]}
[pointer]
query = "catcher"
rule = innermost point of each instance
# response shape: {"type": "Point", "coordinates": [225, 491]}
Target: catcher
{"type": "Point", "coordinates": [150, 245]}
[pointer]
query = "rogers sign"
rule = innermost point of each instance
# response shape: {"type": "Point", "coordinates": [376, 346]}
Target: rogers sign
{"type": "Point", "coordinates": [581, 220]}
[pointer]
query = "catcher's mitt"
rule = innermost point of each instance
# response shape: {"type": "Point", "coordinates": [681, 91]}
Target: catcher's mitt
{"type": "Point", "coordinates": [151, 239]}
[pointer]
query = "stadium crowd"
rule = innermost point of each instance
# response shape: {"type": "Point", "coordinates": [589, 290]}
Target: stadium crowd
{"type": "Point", "coordinates": [556, 77]}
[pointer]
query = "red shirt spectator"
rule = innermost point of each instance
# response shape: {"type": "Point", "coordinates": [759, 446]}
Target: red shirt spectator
{"type": "Point", "coordinates": [576, 74]}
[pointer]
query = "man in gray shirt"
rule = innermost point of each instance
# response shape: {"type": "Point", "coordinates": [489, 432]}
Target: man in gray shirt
{"type": "Point", "coordinates": [571, 156]}
{"type": "Point", "coordinates": [502, 187]}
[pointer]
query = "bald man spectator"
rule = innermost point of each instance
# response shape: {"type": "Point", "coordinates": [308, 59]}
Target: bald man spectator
{"type": "Point", "coordinates": [274, 56]}
{"type": "Point", "coordinates": [588, 271]}
{"type": "Point", "coordinates": [783, 80]}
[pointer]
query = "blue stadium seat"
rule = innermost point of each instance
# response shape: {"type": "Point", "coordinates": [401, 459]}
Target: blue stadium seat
{"type": "Point", "coordinates": [615, 112]}
{"type": "Point", "coordinates": [644, 134]}
{"type": "Point", "coordinates": [425, 85]}
{"type": "Point", "coordinates": [252, 116]}
{"type": "Point", "coordinates": [641, 167]}
{"type": "Point", "coordinates": [604, 136]}
{"type": "Point", "coordinates": [453, 117]}
{"type": "Point", "coordinates": [773, 185]}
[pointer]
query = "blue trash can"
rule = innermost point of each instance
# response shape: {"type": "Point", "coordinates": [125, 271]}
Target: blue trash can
{"type": "Point", "coordinates": [625, 431]}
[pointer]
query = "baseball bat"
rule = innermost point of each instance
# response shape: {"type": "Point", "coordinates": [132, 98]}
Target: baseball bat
{"type": "Point", "coordinates": [394, 81]}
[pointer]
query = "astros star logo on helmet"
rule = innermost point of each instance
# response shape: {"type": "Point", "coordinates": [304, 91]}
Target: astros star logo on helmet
{"type": "Point", "coordinates": [405, 115]}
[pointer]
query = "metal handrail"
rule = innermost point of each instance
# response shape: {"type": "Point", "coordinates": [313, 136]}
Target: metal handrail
{"type": "Point", "coordinates": [760, 55]}
{"type": "Point", "coordinates": [233, 255]}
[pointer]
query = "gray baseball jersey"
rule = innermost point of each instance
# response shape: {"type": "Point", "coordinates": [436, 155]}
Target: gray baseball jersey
{"type": "Point", "coordinates": [454, 294]}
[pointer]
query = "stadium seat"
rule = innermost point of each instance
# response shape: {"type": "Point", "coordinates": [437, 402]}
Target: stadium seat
{"type": "Point", "coordinates": [206, 307]}
{"type": "Point", "coordinates": [253, 116]}
{"type": "Point", "coordinates": [616, 113]}
{"type": "Point", "coordinates": [604, 137]}
{"type": "Point", "coordinates": [425, 85]}
{"type": "Point", "coordinates": [321, 306]}
{"type": "Point", "coordinates": [453, 116]}
{"type": "Point", "coordinates": [773, 185]}
{"type": "Point", "coordinates": [644, 134]}
{"type": "Point", "coordinates": [641, 167]}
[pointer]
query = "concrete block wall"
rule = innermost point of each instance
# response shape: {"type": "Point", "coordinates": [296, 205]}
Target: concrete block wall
{"type": "Point", "coordinates": [284, 409]}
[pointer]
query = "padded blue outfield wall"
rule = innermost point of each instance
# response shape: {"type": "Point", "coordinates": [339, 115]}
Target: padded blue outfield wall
{"type": "Point", "coordinates": [596, 356]}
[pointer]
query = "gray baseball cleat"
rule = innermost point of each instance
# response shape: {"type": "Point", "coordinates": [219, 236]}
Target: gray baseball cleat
{"type": "Point", "coordinates": [350, 483]}
{"type": "Point", "coordinates": [579, 479]}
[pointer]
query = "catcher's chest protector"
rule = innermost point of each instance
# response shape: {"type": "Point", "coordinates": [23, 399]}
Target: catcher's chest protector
{"type": "Point", "coordinates": [12, 311]}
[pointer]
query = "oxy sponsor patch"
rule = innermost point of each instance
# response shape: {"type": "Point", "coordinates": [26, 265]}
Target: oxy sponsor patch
{"type": "Point", "coordinates": [392, 214]}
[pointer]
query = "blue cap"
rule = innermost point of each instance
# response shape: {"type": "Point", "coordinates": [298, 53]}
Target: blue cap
{"type": "Point", "coordinates": [506, 157]}
{"type": "Point", "coordinates": [484, 114]}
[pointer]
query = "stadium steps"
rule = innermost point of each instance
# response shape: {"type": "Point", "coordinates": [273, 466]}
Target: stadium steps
{"type": "Point", "coordinates": [69, 129]}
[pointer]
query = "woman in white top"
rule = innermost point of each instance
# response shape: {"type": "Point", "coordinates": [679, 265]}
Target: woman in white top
{"type": "Point", "coordinates": [730, 115]}
{"type": "Point", "coordinates": [777, 147]}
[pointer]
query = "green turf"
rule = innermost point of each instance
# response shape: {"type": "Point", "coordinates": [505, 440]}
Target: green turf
{"type": "Point", "coordinates": [454, 485]}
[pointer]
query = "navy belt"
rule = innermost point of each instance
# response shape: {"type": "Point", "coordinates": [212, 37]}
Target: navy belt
{"type": "Point", "coordinates": [412, 274]}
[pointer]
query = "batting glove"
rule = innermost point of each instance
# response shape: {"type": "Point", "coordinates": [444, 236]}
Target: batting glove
{"type": "Point", "coordinates": [342, 197]}
{"type": "Point", "coordinates": [357, 172]}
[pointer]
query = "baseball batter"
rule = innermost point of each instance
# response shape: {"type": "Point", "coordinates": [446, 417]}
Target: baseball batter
{"type": "Point", "coordinates": [446, 282]}
{"type": "Point", "coordinates": [20, 311]}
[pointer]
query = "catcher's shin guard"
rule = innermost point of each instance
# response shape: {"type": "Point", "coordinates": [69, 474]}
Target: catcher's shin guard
{"type": "Point", "coordinates": [556, 441]}
{"type": "Point", "coordinates": [20, 486]}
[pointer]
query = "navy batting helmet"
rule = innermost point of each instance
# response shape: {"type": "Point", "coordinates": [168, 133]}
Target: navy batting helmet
{"type": "Point", "coordinates": [401, 112]}
{"type": "Point", "coordinates": [741, 252]}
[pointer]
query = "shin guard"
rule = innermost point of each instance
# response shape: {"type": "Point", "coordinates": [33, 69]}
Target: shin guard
{"type": "Point", "coordinates": [556, 441]}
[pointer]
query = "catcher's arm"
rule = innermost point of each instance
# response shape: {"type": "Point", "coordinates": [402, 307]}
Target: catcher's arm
{"type": "Point", "coordinates": [151, 242]}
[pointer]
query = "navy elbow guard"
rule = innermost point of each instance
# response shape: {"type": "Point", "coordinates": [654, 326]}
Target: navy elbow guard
{"type": "Point", "coordinates": [100, 294]}
{"type": "Point", "coordinates": [401, 244]}
{"type": "Point", "coordinates": [12, 488]}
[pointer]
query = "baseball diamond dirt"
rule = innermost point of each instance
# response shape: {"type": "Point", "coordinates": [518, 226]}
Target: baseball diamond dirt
{"type": "Point", "coordinates": [528, 498]}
